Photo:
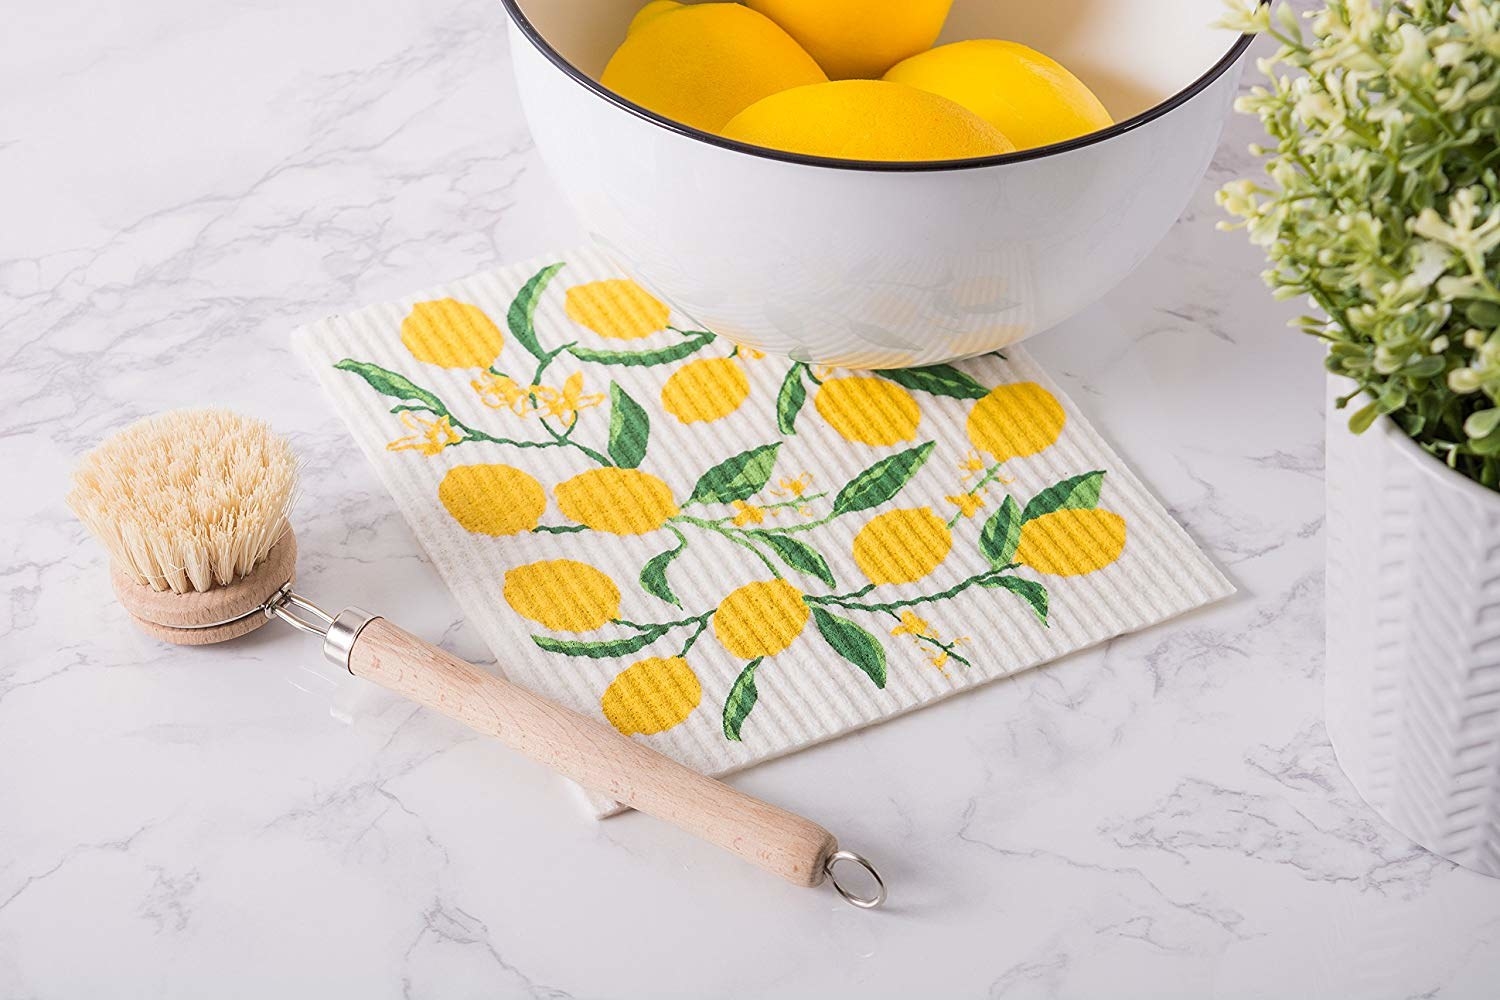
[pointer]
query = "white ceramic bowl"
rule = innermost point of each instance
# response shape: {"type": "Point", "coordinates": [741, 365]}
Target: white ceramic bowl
{"type": "Point", "coordinates": [883, 265]}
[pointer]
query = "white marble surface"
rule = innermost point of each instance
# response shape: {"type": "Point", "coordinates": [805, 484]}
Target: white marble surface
{"type": "Point", "coordinates": [181, 183]}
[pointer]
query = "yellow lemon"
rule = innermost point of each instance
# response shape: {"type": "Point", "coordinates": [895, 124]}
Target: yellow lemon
{"type": "Point", "coordinates": [867, 120]}
{"type": "Point", "coordinates": [451, 333]}
{"type": "Point", "coordinates": [868, 410]}
{"type": "Point", "coordinates": [650, 11]}
{"type": "Point", "coordinates": [563, 594]}
{"type": "Point", "coordinates": [902, 546]}
{"type": "Point", "coordinates": [492, 499]}
{"type": "Point", "coordinates": [708, 389]}
{"type": "Point", "coordinates": [651, 696]}
{"type": "Point", "coordinates": [1071, 542]}
{"type": "Point", "coordinates": [760, 619]}
{"type": "Point", "coordinates": [858, 38]}
{"type": "Point", "coordinates": [616, 308]}
{"type": "Point", "coordinates": [1032, 99]}
{"type": "Point", "coordinates": [619, 501]}
{"type": "Point", "coordinates": [1015, 420]}
{"type": "Point", "coordinates": [702, 64]}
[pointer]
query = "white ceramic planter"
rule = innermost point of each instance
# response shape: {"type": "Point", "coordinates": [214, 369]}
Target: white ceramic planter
{"type": "Point", "coordinates": [1413, 682]}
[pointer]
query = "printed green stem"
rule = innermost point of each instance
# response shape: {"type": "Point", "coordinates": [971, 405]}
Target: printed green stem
{"type": "Point", "coordinates": [702, 627]}
{"type": "Point", "coordinates": [793, 528]}
{"type": "Point", "coordinates": [950, 648]}
{"type": "Point", "coordinates": [565, 441]}
{"type": "Point", "coordinates": [794, 502]}
{"type": "Point", "coordinates": [846, 601]}
{"type": "Point", "coordinates": [653, 626]}
{"type": "Point", "coordinates": [990, 475]}
{"type": "Point", "coordinates": [778, 505]}
{"type": "Point", "coordinates": [473, 434]}
{"type": "Point", "coordinates": [734, 535]}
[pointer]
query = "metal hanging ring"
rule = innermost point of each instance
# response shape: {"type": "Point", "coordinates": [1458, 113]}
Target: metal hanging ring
{"type": "Point", "coordinates": [854, 898]}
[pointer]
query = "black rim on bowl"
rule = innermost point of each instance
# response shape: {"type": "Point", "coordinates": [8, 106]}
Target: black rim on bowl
{"type": "Point", "coordinates": [512, 7]}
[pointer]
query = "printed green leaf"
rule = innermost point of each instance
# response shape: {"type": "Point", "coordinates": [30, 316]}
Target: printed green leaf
{"type": "Point", "coordinates": [629, 428]}
{"type": "Point", "coordinates": [740, 701]}
{"type": "Point", "coordinates": [790, 399]}
{"type": "Point", "coordinates": [393, 384]}
{"type": "Point", "coordinates": [1076, 493]}
{"type": "Point", "coordinates": [603, 649]}
{"type": "Point", "coordinates": [881, 481]}
{"type": "Point", "coordinates": [522, 313]}
{"type": "Point", "coordinates": [737, 478]}
{"type": "Point", "coordinates": [937, 380]}
{"type": "Point", "coordinates": [640, 359]}
{"type": "Point", "coordinates": [798, 555]}
{"type": "Point", "coordinates": [1001, 534]}
{"type": "Point", "coordinates": [853, 643]}
{"type": "Point", "coordinates": [1033, 593]}
{"type": "Point", "coordinates": [654, 575]}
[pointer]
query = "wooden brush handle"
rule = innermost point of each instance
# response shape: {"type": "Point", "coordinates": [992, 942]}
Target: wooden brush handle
{"type": "Point", "coordinates": [593, 754]}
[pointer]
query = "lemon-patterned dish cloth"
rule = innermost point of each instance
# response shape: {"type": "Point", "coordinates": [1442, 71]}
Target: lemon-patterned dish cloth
{"type": "Point", "coordinates": [730, 555]}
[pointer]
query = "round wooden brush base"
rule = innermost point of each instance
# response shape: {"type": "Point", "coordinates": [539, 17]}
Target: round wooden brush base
{"type": "Point", "coordinates": [201, 618]}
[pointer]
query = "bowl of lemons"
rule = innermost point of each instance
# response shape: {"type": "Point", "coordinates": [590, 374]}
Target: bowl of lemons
{"type": "Point", "coordinates": [876, 183]}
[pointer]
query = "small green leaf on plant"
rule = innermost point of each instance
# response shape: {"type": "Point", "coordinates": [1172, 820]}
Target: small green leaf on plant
{"type": "Point", "coordinates": [736, 478]}
{"type": "Point", "coordinates": [853, 643]}
{"type": "Point", "coordinates": [740, 701]}
{"type": "Point", "coordinates": [1482, 423]}
{"type": "Point", "coordinates": [881, 481]}
{"type": "Point", "coordinates": [1363, 417]}
{"type": "Point", "coordinates": [629, 428]}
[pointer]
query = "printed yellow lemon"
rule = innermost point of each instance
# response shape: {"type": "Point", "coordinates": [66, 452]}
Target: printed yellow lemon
{"type": "Point", "coordinates": [1031, 98]}
{"type": "Point", "coordinates": [1071, 542]}
{"type": "Point", "coordinates": [702, 64]}
{"type": "Point", "coordinates": [1015, 420]}
{"type": "Point", "coordinates": [451, 333]}
{"type": "Point", "coordinates": [709, 389]}
{"type": "Point", "coordinates": [867, 120]}
{"type": "Point", "coordinates": [616, 308]}
{"type": "Point", "coordinates": [902, 546]}
{"type": "Point", "coordinates": [858, 38]}
{"type": "Point", "coordinates": [563, 594]}
{"type": "Point", "coordinates": [651, 696]}
{"type": "Point", "coordinates": [868, 410]}
{"type": "Point", "coordinates": [492, 499]}
{"type": "Point", "coordinates": [760, 619]}
{"type": "Point", "coordinates": [619, 501]}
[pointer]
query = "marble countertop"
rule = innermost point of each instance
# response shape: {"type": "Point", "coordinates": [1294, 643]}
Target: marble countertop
{"type": "Point", "coordinates": [181, 184]}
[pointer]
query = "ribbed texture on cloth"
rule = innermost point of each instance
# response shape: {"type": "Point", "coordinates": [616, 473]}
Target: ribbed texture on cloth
{"type": "Point", "coordinates": [734, 556]}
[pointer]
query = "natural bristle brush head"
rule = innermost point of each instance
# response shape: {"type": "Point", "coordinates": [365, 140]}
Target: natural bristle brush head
{"type": "Point", "coordinates": [192, 506]}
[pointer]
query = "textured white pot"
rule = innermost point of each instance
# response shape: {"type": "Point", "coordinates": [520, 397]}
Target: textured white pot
{"type": "Point", "coordinates": [1413, 682]}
